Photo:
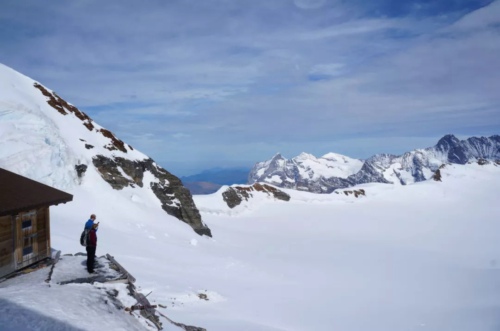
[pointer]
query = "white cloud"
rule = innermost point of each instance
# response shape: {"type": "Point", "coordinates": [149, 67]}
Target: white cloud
{"type": "Point", "coordinates": [309, 4]}
{"type": "Point", "coordinates": [349, 29]}
{"type": "Point", "coordinates": [481, 18]}
{"type": "Point", "coordinates": [213, 94]}
{"type": "Point", "coordinates": [240, 72]}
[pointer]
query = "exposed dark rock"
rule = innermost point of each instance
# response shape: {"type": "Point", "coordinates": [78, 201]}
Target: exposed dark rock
{"type": "Point", "coordinates": [482, 161]}
{"type": "Point", "coordinates": [175, 199]}
{"type": "Point", "coordinates": [119, 172]}
{"type": "Point", "coordinates": [233, 196]}
{"type": "Point", "coordinates": [80, 169]}
{"type": "Point", "coordinates": [356, 193]}
{"type": "Point", "coordinates": [88, 125]}
{"type": "Point", "coordinates": [116, 144]}
{"type": "Point", "coordinates": [451, 146]}
{"type": "Point", "coordinates": [108, 168]}
{"type": "Point", "coordinates": [437, 175]}
{"type": "Point", "coordinates": [371, 171]}
{"type": "Point", "coordinates": [64, 107]}
{"type": "Point", "coordinates": [278, 194]}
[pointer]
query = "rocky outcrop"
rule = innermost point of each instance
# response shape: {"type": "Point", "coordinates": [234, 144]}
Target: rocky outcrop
{"type": "Point", "coordinates": [80, 170]}
{"type": "Point", "coordinates": [356, 193]}
{"type": "Point", "coordinates": [175, 199]}
{"type": "Point", "coordinates": [450, 146]}
{"type": "Point", "coordinates": [372, 170]}
{"type": "Point", "coordinates": [235, 195]}
{"type": "Point", "coordinates": [63, 107]}
{"type": "Point", "coordinates": [117, 162]}
{"type": "Point", "coordinates": [482, 162]}
{"type": "Point", "coordinates": [437, 175]}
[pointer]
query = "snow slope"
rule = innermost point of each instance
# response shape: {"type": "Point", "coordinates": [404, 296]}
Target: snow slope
{"type": "Point", "coordinates": [47, 139]}
{"type": "Point", "coordinates": [32, 132]}
{"type": "Point", "coordinates": [419, 257]}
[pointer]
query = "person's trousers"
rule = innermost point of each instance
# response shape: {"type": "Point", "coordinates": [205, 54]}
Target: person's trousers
{"type": "Point", "coordinates": [90, 258]}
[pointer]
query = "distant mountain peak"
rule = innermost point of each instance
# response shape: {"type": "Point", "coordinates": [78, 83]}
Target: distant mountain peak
{"type": "Point", "coordinates": [305, 170]}
{"type": "Point", "coordinates": [304, 155]}
{"type": "Point", "coordinates": [447, 142]}
{"type": "Point", "coordinates": [333, 156]}
{"type": "Point", "coordinates": [333, 171]}
{"type": "Point", "coordinates": [277, 156]}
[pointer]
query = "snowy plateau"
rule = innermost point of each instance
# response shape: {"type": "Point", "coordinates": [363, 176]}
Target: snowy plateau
{"type": "Point", "coordinates": [424, 256]}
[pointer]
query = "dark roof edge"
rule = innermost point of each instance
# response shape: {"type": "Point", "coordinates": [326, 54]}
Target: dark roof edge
{"type": "Point", "coordinates": [35, 206]}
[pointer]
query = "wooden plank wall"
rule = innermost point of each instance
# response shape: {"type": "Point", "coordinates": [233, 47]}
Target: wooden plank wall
{"type": "Point", "coordinates": [14, 239]}
{"type": "Point", "coordinates": [6, 245]}
{"type": "Point", "coordinates": [43, 237]}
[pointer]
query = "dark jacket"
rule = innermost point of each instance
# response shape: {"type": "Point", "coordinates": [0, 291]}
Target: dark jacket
{"type": "Point", "coordinates": [92, 240]}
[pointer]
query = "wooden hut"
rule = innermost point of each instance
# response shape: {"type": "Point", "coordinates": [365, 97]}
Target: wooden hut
{"type": "Point", "coordinates": [25, 220]}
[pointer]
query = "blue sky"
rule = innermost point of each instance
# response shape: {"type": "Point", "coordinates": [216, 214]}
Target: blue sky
{"type": "Point", "coordinates": [201, 84]}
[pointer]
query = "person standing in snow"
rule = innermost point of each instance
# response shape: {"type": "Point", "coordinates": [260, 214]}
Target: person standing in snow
{"type": "Point", "coordinates": [91, 247]}
{"type": "Point", "coordinates": [90, 222]}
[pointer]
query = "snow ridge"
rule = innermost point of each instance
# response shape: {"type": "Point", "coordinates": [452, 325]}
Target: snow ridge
{"type": "Point", "coordinates": [332, 171]}
{"type": "Point", "coordinates": [49, 140]}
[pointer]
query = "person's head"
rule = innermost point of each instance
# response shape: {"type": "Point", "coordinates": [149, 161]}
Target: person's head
{"type": "Point", "coordinates": [92, 217]}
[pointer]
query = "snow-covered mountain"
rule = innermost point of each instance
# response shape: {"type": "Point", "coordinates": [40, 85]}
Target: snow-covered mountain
{"type": "Point", "coordinates": [306, 172]}
{"type": "Point", "coordinates": [333, 171]}
{"type": "Point", "coordinates": [47, 139]}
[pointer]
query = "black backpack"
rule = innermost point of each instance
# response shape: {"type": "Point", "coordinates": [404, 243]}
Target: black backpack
{"type": "Point", "coordinates": [84, 237]}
